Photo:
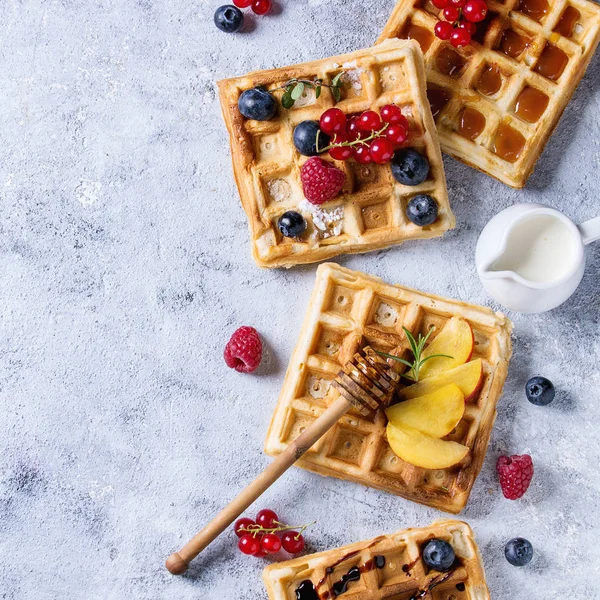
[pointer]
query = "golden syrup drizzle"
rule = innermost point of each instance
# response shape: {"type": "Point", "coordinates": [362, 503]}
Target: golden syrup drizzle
{"type": "Point", "coordinates": [513, 44]}
{"type": "Point", "coordinates": [419, 34]}
{"type": "Point", "coordinates": [471, 123]}
{"type": "Point", "coordinates": [490, 81]}
{"type": "Point", "coordinates": [449, 62]}
{"type": "Point", "coordinates": [531, 104]}
{"type": "Point", "coordinates": [536, 9]}
{"type": "Point", "coordinates": [566, 25]}
{"type": "Point", "coordinates": [508, 143]}
{"type": "Point", "coordinates": [438, 98]}
{"type": "Point", "coordinates": [552, 62]}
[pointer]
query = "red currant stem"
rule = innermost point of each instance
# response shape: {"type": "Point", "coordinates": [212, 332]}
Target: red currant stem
{"type": "Point", "coordinates": [374, 135]}
{"type": "Point", "coordinates": [255, 530]}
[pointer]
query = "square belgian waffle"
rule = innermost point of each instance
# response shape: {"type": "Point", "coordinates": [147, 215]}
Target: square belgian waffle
{"type": "Point", "coordinates": [370, 211]}
{"type": "Point", "coordinates": [349, 310]}
{"type": "Point", "coordinates": [389, 566]}
{"type": "Point", "coordinates": [497, 101]}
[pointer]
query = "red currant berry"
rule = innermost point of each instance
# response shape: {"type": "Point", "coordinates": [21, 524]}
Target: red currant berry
{"type": "Point", "coordinates": [451, 14]}
{"type": "Point", "coordinates": [470, 27]}
{"type": "Point", "coordinates": [443, 30]}
{"type": "Point", "coordinates": [369, 121]}
{"type": "Point", "coordinates": [390, 113]}
{"type": "Point", "coordinates": [396, 134]}
{"type": "Point", "coordinates": [382, 151]}
{"type": "Point", "coordinates": [460, 37]}
{"type": "Point", "coordinates": [457, 3]}
{"type": "Point", "coordinates": [241, 526]}
{"type": "Point", "coordinates": [266, 518]}
{"type": "Point", "coordinates": [270, 544]}
{"type": "Point", "coordinates": [261, 7]}
{"type": "Point", "coordinates": [353, 130]}
{"type": "Point", "coordinates": [333, 121]}
{"type": "Point", "coordinates": [242, 3]}
{"type": "Point", "coordinates": [340, 152]}
{"type": "Point", "coordinates": [440, 3]}
{"type": "Point", "coordinates": [293, 542]}
{"type": "Point", "coordinates": [362, 155]}
{"type": "Point", "coordinates": [475, 11]}
{"type": "Point", "coordinates": [249, 545]}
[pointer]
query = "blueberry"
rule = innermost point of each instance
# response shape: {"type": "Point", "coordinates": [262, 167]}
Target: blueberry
{"type": "Point", "coordinates": [291, 224]}
{"type": "Point", "coordinates": [422, 210]}
{"type": "Point", "coordinates": [257, 104]}
{"type": "Point", "coordinates": [439, 555]}
{"type": "Point", "coordinates": [518, 552]}
{"type": "Point", "coordinates": [540, 391]}
{"type": "Point", "coordinates": [229, 18]}
{"type": "Point", "coordinates": [305, 138]}
{"type": "Point", "coordinates": [409, 167]}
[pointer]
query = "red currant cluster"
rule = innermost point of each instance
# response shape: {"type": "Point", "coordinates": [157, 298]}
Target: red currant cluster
{"type": "Point", "coordinates": [461, 18]}
{"type": "Point", "coordinates": [259, 7]}
{"type": "Point", "coordinates": [261, 536]}
{"type": "Point", "coordinates": [368, 137]}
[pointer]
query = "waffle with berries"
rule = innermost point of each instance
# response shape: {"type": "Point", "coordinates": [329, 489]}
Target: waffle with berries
{"type": "Point", "coordinates": [349, 310]}
{"type": "Point", "coordinates": [369, 213]}
{"type": "Point", "coordinates": [497, 100]}
{"type": "Point", "coordinates": [389, 566]}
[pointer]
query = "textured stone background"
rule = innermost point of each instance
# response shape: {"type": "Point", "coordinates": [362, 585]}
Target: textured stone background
{"type": "Point", "coordinates": [125, 267]}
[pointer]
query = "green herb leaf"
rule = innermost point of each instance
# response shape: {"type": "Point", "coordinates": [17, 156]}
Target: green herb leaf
{"type": "Point", "coordinates": [318, 91]}
{"type": "Point", "coordinates": [337, 95]}
{"type": "Point", "coordinates": [337, 80]}
{"type": "Point", "coordinates": [287, 101]}
{"type": "Point", "coordinates": [297, 91]}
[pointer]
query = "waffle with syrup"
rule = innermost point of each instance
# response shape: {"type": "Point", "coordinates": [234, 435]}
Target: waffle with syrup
{"type": "Point", "coordinates": [389, 566]}
{"type": "Point", "coordinates": [369, 213]}
{"type": "Point", "coordinates": [497, 101]}
{"type": "Point", "coordinates": [349, 310]}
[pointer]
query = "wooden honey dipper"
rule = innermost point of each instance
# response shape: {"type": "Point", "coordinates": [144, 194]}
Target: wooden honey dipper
{"type": "Point", "coordinates": [366, 383]}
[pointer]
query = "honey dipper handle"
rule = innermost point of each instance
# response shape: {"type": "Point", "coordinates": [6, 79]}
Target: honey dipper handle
{"type": "Point", "coordinates": [178, 562]}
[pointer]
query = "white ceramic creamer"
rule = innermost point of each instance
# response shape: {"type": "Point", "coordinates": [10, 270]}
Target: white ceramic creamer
{"type": "Point", "coordinates": [530, 257]}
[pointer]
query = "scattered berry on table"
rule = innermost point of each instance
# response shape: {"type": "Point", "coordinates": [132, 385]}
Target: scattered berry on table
{"type": "Point", "coordinates": [229, 18]}
{"type": "Point", "coordinates": [291, 224]}
{"type": "Point", "coordinates": [250, 545]}
{"type": "Point", "coordinates": [540, 391]}
{"type": "Point", "coordinates": [369, 121]}
{"type": "Point", "coordinates": [244, 350]}
{"type": "Point", "coordinates": [292, 542]}
{"type": "Point", "coordinates": [258, 104]}
{"type": "Point", "coordinates": [397, 134]}
{"type": "Point", "coordinates": [321, 181]}
{"type": "Point", "coordinates": [409, 167]}
{"type": "Point", "coordinates": [242, 3]}
{"type": "Point", "coordinates": [443, 30]}
{"type": "Point", "coordinates": [518, 552]}
{"type": "Point", "coordinates": [439, 555]}
{"type": "Point", "coordinates": [241, 526]}
{"type": "Point", "coordinates": [516, 473]}
{"type": "Point", "coordinates": [475, 11]}
{"type": "Point", "coordinates": [422, 210]}
{"type": "Point", "coordinates": [261, 7]}
{"type": "Point", "coordinates": [362, 154]}
{"type": "Point", "coordinates": [382, 150]}
{"type": "Point", "coordinates": [267, 518]}
{"type": "Point", "coordinates": [271, 543]}
{"type": "Point", "coordinates": [305, 138]}
{"type": "Point", "coordinates": [333, 121]}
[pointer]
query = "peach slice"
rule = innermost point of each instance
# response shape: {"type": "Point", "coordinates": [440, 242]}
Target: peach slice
{"type": "Point", "coordinates": [435, 414]}
{"type": "Point", "coordinates": [468, 377]}
{"type": "Point", "coordinates": [455, 340]}
{"type": "Point", "coordinates": [421, 450]}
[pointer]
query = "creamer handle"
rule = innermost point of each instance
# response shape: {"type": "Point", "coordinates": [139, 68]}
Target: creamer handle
{"type": "Point", "coordinates": [590, 230]}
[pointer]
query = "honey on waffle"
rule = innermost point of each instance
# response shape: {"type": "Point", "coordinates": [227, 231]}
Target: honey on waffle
{"type": "Point", "coordinates": [370, 211]}
{"type": "Point", "coordinates": [389, 566]}
{"type": "Point", "coordinates": [349, 310]}
{"type": "Point", "coordinates": [497, 101]}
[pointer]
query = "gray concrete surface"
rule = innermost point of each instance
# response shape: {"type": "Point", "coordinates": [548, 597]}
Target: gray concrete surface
{"type": "Point", "coordinates": [125, 267]}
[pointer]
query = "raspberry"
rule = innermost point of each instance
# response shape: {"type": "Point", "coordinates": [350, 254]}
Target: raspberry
{"type": "Point", "coordinates": [244, 350]}
{"type": "Point", "coordinates": [321, 181]}
{"type": "Point", "coordinates": [515, 473]}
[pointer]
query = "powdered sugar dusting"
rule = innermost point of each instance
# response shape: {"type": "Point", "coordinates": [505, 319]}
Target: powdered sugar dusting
{"type": "Point", "coordinates": [328, 222]}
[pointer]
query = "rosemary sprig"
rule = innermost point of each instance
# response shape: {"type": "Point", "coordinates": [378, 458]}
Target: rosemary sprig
{"type": "Point", "coordinates": [416, 346]}
{"type": "Point", "coordinates": [294, 89]}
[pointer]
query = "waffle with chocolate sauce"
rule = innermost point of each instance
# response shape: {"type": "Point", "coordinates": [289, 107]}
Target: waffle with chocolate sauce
{"type": "Point", "coordinates": [497, 101]}
{"type": "Point", "coordinates": [389, 566]}
{"type": "Point", "coordinates": [369, 213]}
{"type": "Point", "coordinates": [349, 310]}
